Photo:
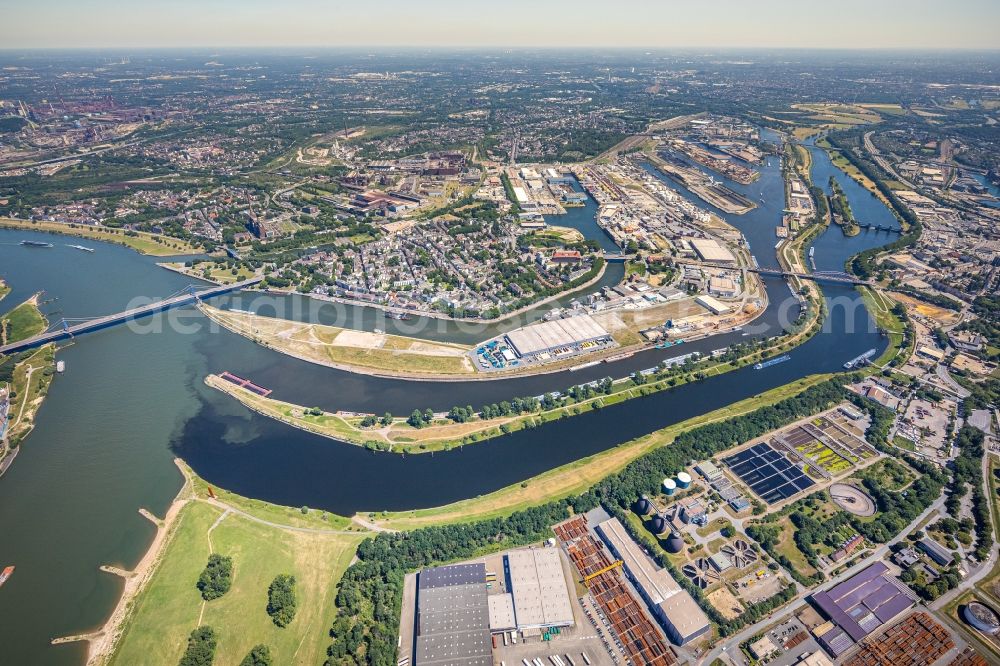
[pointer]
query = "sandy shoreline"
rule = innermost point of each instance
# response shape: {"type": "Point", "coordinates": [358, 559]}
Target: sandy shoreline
{"type": "Point", "coordinates": [102, 641]}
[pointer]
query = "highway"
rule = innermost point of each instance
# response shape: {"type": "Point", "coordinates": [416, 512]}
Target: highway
{"type": "Point", "coordinates": [121, 317]}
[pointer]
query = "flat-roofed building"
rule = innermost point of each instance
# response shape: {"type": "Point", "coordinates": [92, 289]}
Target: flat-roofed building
{"type": "Point", "coordinates": [936, 551]}
{"type": "Point", "coordinates": [539, 589]}
{"type": "Point", "coordinates": [859, 606]}
{"type": "Point", "coordinates": [453, 617]}
{"type": "Point", "coordinates": [502, 612]}
{"type": "Point", "coordinates": [674, 608]}
{"type": "Point", "coordinates": [712, 304]}
{"type": "Point", "coordinates": [553, 335]}
{"type": "Point", "coordinates": [710, 250]}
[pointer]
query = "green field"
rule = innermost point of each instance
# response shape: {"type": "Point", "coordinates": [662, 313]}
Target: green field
{"type": "Point", "coordinates": [171, 606]}
{"type": "Point", "coordinates": [146, 243]}
{"type": "Point", "coordinates": [23, 322]}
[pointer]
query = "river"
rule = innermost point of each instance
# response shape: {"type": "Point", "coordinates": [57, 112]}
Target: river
{"type": "Point", "coordinates": [129, 401]}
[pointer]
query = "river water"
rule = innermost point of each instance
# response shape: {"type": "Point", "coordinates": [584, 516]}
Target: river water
{"type": "Point", "coordinates": [132, 399]}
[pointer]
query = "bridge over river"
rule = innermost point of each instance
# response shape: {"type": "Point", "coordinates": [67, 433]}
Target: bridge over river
{"type": "Point", "coordinates": [63, 330]}
{"type": "Point", "coordinates": [821, 276]}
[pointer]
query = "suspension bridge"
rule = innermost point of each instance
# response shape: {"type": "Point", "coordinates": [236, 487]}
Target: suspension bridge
{"type": "Point", "coordinates": [70, 328]}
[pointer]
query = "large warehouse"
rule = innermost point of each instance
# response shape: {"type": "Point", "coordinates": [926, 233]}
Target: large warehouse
{"type": "Point", "coordinates": [551, 336]}
{"type": "Point", "coordinates": [538, 585]}
{"type": "Point", "coordinates": [859, 606]}
{"type": "Point", "coordinates": [453, 617]}
{"type": "Point", "coordinates": [679, 614]}
{"type": "Point", "coordinates": [712, 251]}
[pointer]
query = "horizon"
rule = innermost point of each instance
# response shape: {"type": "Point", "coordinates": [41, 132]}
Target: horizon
{"type": "Point", "coordinates": [775, 24]}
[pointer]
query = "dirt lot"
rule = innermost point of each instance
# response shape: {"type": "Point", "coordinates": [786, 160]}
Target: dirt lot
{"type": "Point", "coordinates": [726, 603]}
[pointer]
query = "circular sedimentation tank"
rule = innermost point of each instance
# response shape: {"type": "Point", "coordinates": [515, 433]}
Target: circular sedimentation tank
{"type": "Point", "coordinates": [982, 617]}
{"type": "Point", "coordinates": [852, 499]}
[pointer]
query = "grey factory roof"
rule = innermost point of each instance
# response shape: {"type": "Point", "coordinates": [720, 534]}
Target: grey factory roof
{"type": "Point", "coordinates": [453, 617]}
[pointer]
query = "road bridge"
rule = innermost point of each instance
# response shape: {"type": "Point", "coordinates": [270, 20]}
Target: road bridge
{"type": "Point", "coordinates": [819, 276]}
{"type": "Point", "coordinates": [65, 331]}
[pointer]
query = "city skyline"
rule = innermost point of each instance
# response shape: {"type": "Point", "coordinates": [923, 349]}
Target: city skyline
{"type": "Point", "coordinates": [966, 24]}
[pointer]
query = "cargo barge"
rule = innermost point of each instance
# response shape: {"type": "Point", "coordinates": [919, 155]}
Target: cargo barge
{"type": "Point", "coordinates": [769, 363]}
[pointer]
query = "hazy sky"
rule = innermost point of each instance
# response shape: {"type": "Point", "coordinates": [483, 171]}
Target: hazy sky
{"type": "Point", "coordinates": [560, 23]}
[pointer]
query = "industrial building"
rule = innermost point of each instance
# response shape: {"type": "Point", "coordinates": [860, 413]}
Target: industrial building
{"type": "Point", "coordinates": [453, 617]}
{"type": "Point", "coordinates": [858, 607]}
{"type": "Point", "coordinates": [674, 608]}
{"type": "Point", "coordinates": [710, 250]}
{"type": "Point", "coordinates": [936, 551]}
{"type": "Point", "coordinates": [712, 304]}
{"type": "Point", "coordinates": [538, 588]}
{"type": "Point", "coordinates": [552, 336]}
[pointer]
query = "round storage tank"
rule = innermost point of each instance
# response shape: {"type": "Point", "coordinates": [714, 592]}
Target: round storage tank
{"type": "Point", "coordinates": [669, 486]}
{"type": "Point", "coordinates": [683, 480]}
{"type": "Point", "coordinates": [659, 525]}
{"type": "Point", "coordinates": [675, 543]}
{"type": "Point", "coordinates": [981, 617]}
{"type": "Point", "coordinates": [643, 507]}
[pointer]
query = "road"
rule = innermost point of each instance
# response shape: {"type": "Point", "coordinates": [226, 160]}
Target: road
{"type": "Point", "coordinates": [733, 642]}
{"type": "Point", "coordinates": [882, 162]}
{"type": "Point", "coordinates": [984, 568]}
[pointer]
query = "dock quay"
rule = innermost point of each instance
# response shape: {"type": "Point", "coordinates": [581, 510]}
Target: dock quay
{"type": "Point", "coordinates": [97, 323]}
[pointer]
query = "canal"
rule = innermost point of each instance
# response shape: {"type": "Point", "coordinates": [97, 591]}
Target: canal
{"type": "Point", "coordinates": [132, 399]}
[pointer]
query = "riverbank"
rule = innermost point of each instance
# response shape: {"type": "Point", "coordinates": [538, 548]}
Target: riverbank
{"type": "Point", "coordinates": [102, 642]}
{"type": "Point", "coordinates": [574, 477]}
{"type": "Point", "coordinates": [29, 384]}
{"type": "Point", "coordinates": [442, 434]}
{"type": "Point", "coordinates": [161, 604]}
{"type": "Point", "coordinates": [377, 354]}
{"type": "Point", "coordinates": [844, 163]}
{"type": "Point", "coordinates": [140, 241]}
{"type": "Point", "coordinates": [4, 289]}
{"type": "Point", "coordinates": [23, 322]}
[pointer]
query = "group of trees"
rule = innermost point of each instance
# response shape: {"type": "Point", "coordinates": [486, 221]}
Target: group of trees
{"type": "Point", "coordinates": [281, 604]}
{"type": "Point", "coordinates": [217, 577]}
{"type": "Point", "coordinates": [419, 419]}
{"type": "Point", "coordinates": [260, 655]}
{"type": "Point", "coordinates": [370, 593]}
{"type": "Point", "coordinates": [200, 649]}
{"type": "Point", "coordinates": [967, 472]}
{"type": "Point", "coordinates": [371, 420]}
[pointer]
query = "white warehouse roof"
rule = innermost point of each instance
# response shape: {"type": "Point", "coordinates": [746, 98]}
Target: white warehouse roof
{"type": "Point", "coordinates": [538, 585]}
{"type": "Point", "coordinates": [548, 335]}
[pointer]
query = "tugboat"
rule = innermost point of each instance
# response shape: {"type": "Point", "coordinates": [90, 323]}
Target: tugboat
{"type": "Point", "coordinates": [6, 574]}
{"type": "Point", "coordinates": [31, 243]}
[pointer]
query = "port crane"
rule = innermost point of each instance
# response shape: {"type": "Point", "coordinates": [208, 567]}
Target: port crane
{"type": "Point", "coordinates": [613, 565]}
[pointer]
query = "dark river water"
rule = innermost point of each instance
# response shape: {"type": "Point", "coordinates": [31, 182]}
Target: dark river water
{"type": "Point", "coordinates": [132, 397]}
